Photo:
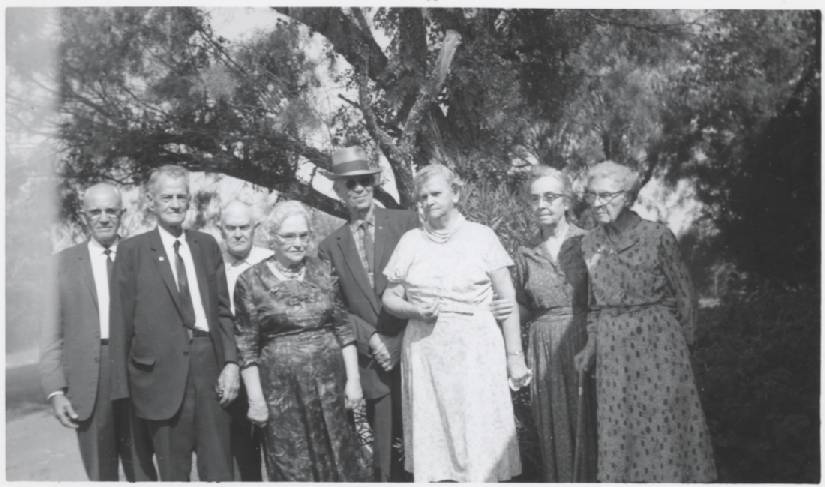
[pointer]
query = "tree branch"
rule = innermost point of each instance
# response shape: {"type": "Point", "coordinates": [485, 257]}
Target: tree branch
{"type": "Point", "coordinates": [232, 166]}
{"type": "Point", "coordinates": [431, 88]}
{"type": "Point", "coordinates": [347, 39]}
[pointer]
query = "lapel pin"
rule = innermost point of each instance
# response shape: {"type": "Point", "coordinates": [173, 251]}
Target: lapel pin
{"type": "Point", "coordinates": [161, 259]}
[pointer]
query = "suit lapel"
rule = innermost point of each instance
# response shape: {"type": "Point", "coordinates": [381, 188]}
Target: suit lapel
{"type": "Point", "coordinates": [200, 268]}
{"type": "Point", "coordinates": [164, 267]}
{"type": "Point", "coordinates": [84, 265]}
{"type": "Point", "coordinates": [353, 261]}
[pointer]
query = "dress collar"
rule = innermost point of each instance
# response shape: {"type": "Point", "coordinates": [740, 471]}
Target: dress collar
{"type": "Point", "coordinates": [443, 236]}
{"type": "Point", "coordinates": [536, 246]}
{"type": "Point", "coordinates": [619, 234]}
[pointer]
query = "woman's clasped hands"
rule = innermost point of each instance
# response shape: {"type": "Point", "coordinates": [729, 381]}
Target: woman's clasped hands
{"type": "Point", "coordinates": [258, 413]}
{"type": "Point", "coordinates": [428, 312]}
{"type": "Point", "coordinates": [354, 394]}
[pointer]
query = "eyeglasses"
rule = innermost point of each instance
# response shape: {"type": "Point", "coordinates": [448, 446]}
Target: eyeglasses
{"type": "Point", "coordinates": [592, 197]}
{"type": "Point", "coordinates": [364, 181]}
{"type": "Point", "coordinates": [549, 198]}
{"type": "Point", "coordinates": [294, 237]}
{"type": "Point", "coordinates": [96, 213]}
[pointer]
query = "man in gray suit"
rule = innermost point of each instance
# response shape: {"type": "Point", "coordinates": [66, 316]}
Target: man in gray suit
{"type": "Point", "coordinates": [358, 252]}
{"type": "Point", "coordinates": [74, 361]}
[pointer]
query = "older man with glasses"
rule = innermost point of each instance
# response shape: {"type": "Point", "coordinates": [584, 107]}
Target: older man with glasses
{"type": "Point", "coordinates": [74, 362]}
{"type": "Point", "coordinates": [358, 252]}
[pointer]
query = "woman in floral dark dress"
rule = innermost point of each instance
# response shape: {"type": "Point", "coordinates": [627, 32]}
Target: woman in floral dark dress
{"type": "Point", "coordinates": [551, 289]}
{"type": "Point", "coordinates": [651, 427]}
{"type": "Point", "coordinates": [299, 363]}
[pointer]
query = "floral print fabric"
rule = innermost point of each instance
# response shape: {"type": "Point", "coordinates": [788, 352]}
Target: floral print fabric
{"type": "Point", "coordinates": [293, 330]}
{"type": "Point", "coordinates": [651, 427]}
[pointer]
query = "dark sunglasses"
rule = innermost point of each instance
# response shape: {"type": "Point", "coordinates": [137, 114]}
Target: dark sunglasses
{"type": "Point", "coordinates": [365, 181]}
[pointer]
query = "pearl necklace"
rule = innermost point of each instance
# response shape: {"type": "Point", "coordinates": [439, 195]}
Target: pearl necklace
{"type": "Point", "coordinates": [285, 272]}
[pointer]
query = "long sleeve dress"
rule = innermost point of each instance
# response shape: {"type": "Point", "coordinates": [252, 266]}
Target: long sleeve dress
{"type": "Point", "coordinates": [457, 411]}
{"type": "Point", "coordinates": [293, 330]}
{"type": "Point", "coordinates": [555, 293]}
{"type": "Point", "coordinates": [651, 427]}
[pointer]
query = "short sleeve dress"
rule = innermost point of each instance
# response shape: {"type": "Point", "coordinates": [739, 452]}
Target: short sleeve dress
{"type": "Point", "coordinates": [457, 411]}
{"type": "Point", "coordinates": [556, 295]}
{"type": "Point", "coordinates": [293, 330]}
{"type": "Point", "coordinates": [651, 427]}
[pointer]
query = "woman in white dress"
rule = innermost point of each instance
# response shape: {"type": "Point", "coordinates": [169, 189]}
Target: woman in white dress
{"type": "Point", "coordinates": [455, 359]}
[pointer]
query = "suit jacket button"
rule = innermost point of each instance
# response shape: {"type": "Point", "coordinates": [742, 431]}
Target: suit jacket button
{"type": "Point", "coordinates": [97, 360]}
{"type": "Point", "coordinates": [186, 352]}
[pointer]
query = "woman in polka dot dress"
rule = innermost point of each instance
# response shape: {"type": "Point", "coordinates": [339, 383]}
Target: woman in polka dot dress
{"type": "Point", "coordinates": [651, 427]}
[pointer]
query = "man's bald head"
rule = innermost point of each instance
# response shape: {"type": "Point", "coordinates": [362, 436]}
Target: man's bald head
{"type": "Point", "coordinates": [238, 228]}
{"type": "Point", "coordinates": [102, 209]}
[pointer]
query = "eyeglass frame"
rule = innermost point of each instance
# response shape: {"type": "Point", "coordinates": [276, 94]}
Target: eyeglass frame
{"type": "Point", "coordinates": [604, 197]}
{"type": "Point", "coordinates": [536, 199]}
{"type": "Point", "coordinates": [97, 213]}
{"type": "Point", "coordinates": [293, 237]}
{"type": "Point", "coordinates": [364, 180]}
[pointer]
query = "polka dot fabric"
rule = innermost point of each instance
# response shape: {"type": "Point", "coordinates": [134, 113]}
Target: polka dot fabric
{"type": "Point", "coordinates": [651, 427]}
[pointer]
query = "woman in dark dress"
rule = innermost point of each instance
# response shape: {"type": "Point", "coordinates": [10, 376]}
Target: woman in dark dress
{"type": "Point", "coordinates": [299, 361]}
{"type": "Point", "coordinates": [551, 289]}
{"type": "Point", "coordinates": [651, 427]}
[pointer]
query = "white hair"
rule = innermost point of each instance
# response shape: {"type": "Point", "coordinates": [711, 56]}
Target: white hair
{"type": "Point", "coordinates": [434, 170]}
{"type": "Point", "coordinates": [284, 210]}
{"type": "Point", "coordinates": [100, 186]}
{"type": "Point", "coordinates": [542, 171]}
{"type": "Point", "coordinates": [254, 210]}
{"type": "Point", "coordinates": [171, 171]}
{"type": "Point", "coordinates": [626, 177]}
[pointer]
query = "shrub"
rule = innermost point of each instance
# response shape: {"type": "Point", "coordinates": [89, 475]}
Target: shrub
{"type": "Point", "coordinates": [756, 361]}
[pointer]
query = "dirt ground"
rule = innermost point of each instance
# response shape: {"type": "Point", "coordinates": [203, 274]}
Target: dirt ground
{"type": "Point", "coordinates": [37, 446]}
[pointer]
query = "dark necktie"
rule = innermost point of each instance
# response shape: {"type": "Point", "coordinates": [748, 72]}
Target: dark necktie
{"type": "Point", "coordinates": [187, 311]}
{"type": "Point", "coordinates": [109, 264]}
{"type": "Point", "coordinates": [366, 238]}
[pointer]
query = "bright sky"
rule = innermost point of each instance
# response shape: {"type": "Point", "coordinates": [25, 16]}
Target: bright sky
{"type": "Point", "coordinates": [239, 23]}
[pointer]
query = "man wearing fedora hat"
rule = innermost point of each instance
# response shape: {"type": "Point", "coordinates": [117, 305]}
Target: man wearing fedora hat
{"type": "Point", "coordinates": [358, 252]}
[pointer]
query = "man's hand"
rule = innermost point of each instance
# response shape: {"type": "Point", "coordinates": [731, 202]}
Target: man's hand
{"type": "Point", "coordinates": [228, 383]}
{"type": "Point", "coordinates": [63, 411]}
{"type": "Point", "coordinates": [501, 308]}
{"type": "Point", "coordinates": [386, 350]}
{"type": "Point", "coordinates": [380, 352]}
{"type": "Point", "coordinates": [393, 344]}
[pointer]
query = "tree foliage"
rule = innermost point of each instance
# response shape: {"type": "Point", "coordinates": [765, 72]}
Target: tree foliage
{"type": "Point", "coordinates": [718, 97]}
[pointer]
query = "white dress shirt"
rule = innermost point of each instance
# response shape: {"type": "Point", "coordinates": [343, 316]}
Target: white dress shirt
{"type": "Point", "coordinates": [234, 268]}
{"type": "Point", "coordinates": [97, 258]}
{"type": "Point", "coordinates": [168, 241]}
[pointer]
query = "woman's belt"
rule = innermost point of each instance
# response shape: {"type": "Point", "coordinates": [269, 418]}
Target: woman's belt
{"type": "Point", "coordinates": [622, 308]}
{"type": "Point", "coordinates": [461, 308]}
{"type": "Point", "coordinates": [559, 311]}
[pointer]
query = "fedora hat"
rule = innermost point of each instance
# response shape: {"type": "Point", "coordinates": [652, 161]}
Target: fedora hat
{"type": "Point", "coordinates": [351, 161]}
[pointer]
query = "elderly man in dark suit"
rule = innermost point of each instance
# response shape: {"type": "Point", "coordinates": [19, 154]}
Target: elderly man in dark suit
{"type": "Point", "coordinates": [74, 361]}
{"type": "Point", "coordinates": [173, 346]}
{"type": "Point", "coordinates": [358, 252]}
